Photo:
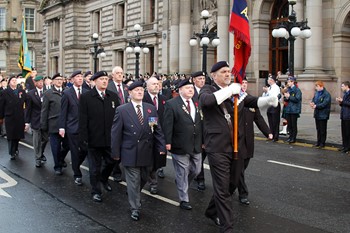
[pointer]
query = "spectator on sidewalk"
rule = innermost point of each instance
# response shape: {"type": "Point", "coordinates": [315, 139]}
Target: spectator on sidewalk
{"type": "Point", "coordinates": [273, 113]}
{"type": "Point", "coordinates": [321, 103]}
{"type": "Point", "coordinates": [345, 116]}
{"type": "Point", "coordinates": [293, 97]}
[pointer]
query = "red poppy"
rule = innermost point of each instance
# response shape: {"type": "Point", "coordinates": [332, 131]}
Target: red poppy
{"type": "Point", "coordinates": [149, 110]}
{"type": "Point", "coordinates": [163, 102]}
{"type": "Point", "coordinates": [196, 103]}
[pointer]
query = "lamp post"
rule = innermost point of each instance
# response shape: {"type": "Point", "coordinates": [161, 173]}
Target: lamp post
{"type": "Point", "coordinates": [97, 51]}
{"type": "Point", "coordinates": [290, 30]}
{"type": "Point", "coordinates": [136, 46]}
{"type": "Point", "coordinates": [205, 37]}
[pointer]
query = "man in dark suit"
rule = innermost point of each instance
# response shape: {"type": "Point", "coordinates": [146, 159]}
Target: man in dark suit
{"type": "Point", "coordinates": [12, 106]}
{"type": "Point", "coordinates": [117, 86]}
{"type": "Point", "coordinates": [183, 136]}
{"type": "Point", "coordinates": [198, 83]}
{"type": "Point", "coordinates": [136, 131]}
{"type": "Point", "coordinates": [69, 123]}
{"type": "Point", "coordinates": [86, 83]}
{"type": "Point", "coordinates": [33, 114]}
{"type": "Point", "coordinates": [217, 108]}
{"type": "Point", "coordinates": [50, 112]}
{"type": "Point", "coordinates": [153, 97]}
{"type": "Point", "coordinates": [47, 83]}
{"type": "Point", "coordinates": [246, 145]}
{"type": "Point", "coordinates": [96, 111]}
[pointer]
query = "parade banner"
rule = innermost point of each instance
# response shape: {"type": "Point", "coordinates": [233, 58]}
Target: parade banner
{"type": "Point", "coordinates": [24, 56]}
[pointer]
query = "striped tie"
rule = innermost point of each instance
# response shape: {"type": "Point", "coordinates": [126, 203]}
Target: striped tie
{"type": "Point", "coordinates": [139, 114]}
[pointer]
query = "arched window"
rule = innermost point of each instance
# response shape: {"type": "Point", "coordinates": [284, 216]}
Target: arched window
{"type": "Point", "coordinates": [278, 46]}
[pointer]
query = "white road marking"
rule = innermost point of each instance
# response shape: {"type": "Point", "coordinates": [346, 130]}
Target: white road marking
{"type": "Point", "coordinates": [293, 165]}
{"type": "Point", "coordinates": [10, 182]}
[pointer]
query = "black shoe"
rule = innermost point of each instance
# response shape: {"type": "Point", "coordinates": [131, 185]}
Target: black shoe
{"type": "Point", "coordinates": [292, 141]}
{"type": "Point", "coordinates": [135, 215]}
{"type": "Point", "coordinates": [43, 158]}
{"type": "Point", "coordinates": [341, 149]}
{"type": "Point", "coordinates": [17, 153]}
{"type": "Point", "coordinates": [201, 185]}
{"type": "Point", "coordinates": [244, 201]}
{"type": "Point", "coordinates": [322, 146]}
{"type": "Point", "coordinates": [117, 178]}
{"type": "Point", "coordinates": [160, 173]}
{"type": "Point", "coordinates": [345, 150]}
{"type": "Point", "coordinates": [38, 163]}
{"type": "Point", "coordinates": [64, 164]}
{"type": "Point", "coordinates": [97, 198]}
{"type": "Point", "coordinates": [78, 181]}
{"type": "Point", "coordinates": [185, 205]}
{"type": "Point", "coordinates": [316, 145]}
{"type": "Point", "coordinates": [107, 186]}
{"type": "Point", "coordinates": [13, 157]}
{"type": "Point", "coordinates": [153, 190]}
{"type": "Point", "coordinates": [214, 218]}
{"type": "Point", "coordinates": [288, 140]}
{"type": "Point", "coordinates": [275, 140]}
{"type": "Point", "coordinates": [58, 172]}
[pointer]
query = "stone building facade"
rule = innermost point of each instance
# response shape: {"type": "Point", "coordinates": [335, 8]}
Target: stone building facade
{"type": "Point", "coordinates": [169, 25]}
{"type": "Point", "coordinates": [11, 14]}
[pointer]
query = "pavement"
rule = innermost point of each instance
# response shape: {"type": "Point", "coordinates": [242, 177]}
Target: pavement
{"type": "Point", "coordinates": [307, 130]}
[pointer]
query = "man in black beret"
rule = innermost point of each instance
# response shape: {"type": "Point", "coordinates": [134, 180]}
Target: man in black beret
{"type": "Point", "coordinates": [96, 111]}
{"type": "Point", "coordinates": [136, 132]}
{"type": "Point", "coordinates": [217, 108]}
{"type": "Point", "coordinates": [183, 136]}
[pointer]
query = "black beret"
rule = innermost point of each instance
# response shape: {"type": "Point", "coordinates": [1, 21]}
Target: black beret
{"type": "Point", "coordinates": [38, 78]}
{"type": "Point", "coordinates": [75, 73]}
{"type": "Point", "coordinates": [135, 84]}
{"type": "Point", "coordinates": [11, 77]}
{"type": "Point", "coordinates": [198, 73]}
{"type": "Point", "coordinates": [19, 75]}
{"type": "Point", "coordinates": [185, 82]}
{"type": "Point", "coordinates": [219, 65]}
{"type": "Point", "coordinates": [273, 77]}
{"type": "Point", "coordinates": [99, 74]}
{"type": "Point", "coordinates": [291, 78]}
{"type": "Point", "coordinates": [87, 73]}
{"type": "Point", "coordinates": [56, 76]}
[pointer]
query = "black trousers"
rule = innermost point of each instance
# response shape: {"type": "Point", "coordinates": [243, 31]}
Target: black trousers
{"type": "Point", "coordinates": [98, 175]}
{"type": "Point", "coordinates": [77, 156]}
{"type": "Point", "coordinates": [222, 168]}
{"type": "Point", "coordinates": [13, 146]}
{"type": "Point", "coordinates": [345, 133]}
{"type": "Point", "coordinates": [273, 116]}
{"type": "Point", "coordinates": [292, 125]}
{"type": "Point", "coordinates": [321, 128]}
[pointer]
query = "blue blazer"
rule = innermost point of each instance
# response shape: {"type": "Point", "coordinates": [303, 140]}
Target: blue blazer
{"type": "Point", "coordinates": [69, 117]}
{"type": "Point", "coordinates": [132, 142]}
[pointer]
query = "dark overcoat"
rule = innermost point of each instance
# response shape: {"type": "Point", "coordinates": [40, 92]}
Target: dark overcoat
{"type": "Point", "coordinates": [111, 86]}
{"type": "Point", "coordinates": [180, 130]}
{"type": "Point", "coordinates": [12, 107]}
{"type": "Point", "coordinates": [132, 142]}
{"type": "Point", "coordinates": [51, 110]}
{"type": "Point", "coordinates": [33, 109]}
{"type": "Point", "coordinates": [96, 118]}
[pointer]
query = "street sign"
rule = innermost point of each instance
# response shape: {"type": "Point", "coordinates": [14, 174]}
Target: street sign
{"type": "Point", "coordinates": [9, 183]}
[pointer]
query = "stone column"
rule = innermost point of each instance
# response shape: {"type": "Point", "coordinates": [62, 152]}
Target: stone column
{"type": "Point", "coordinates": [313, 45]}
{"type": "Point", "coordinates": [299, 43]}
{"type": "Point", "coordinates": [61, 59]}
{"type": "Point", "coordinates": [174, 36]}
{"type": "Point", "coordinates": [224, 9]}
{"type": "Point", "coordinates": [185, 36]}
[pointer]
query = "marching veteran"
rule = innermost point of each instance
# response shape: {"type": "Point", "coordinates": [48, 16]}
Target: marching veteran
{"type": "Point", "coordinates": [136, 132]}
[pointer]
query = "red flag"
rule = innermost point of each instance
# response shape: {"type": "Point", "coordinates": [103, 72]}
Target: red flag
{"type": "Point", "coordinates": [239, 25]}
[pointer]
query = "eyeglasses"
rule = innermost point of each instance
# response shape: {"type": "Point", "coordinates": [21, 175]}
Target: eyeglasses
{"type": "Point", "coordinates": [59, 79]}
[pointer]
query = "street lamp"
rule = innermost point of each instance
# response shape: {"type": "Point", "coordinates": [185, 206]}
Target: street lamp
{"type": "Point", "coordinates": [97, 51]}
{"type": "Point", "coordinates": [290, 30]}
{"type": "Point", "coordinates": [205, 37]}
{"type": "Point", "coordinates": [136, 46]}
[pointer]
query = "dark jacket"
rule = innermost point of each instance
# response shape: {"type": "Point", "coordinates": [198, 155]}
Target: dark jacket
{"type": "Point", "coordinates": [161, 103]}
{"type": "Point", "coordinates": [111, 86]}
{"type": "Point", "coordinates": [51, 110]}
{"type": "Point", "coordinates": [217, 134]}
{"type": "Point", "coordinates": [294, 101]}
{"type": "Point", "coordinates": [96, 118]}
{"type": "Point", "coordinates": [345, 107]}
{"type": "Point", "coordinates": [323, 105]}
{"type": "Point", "coordinates": [184, 134]}
{"type": "Point", "coordinates": [132, 142]}
{"type": "Point", "coordinates": [33, 109]}
{"type": "Point", "coordinates": [12, 110]}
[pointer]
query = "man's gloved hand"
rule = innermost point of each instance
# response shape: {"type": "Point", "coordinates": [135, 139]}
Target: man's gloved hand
{"type": "Point", "coordinates": [267, 101]}
{"type": "Point", "coordinates": [226, 92]}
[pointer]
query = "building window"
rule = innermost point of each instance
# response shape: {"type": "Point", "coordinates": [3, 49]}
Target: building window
{"type": "Point", "coordinates": [96, 22]}
{"type": "Point", "coordinates": [29, 15]}
{"type": "Point", "coordinates": [55, 32]}
{"type": "Point", "coordinates": [2, 19]}
{"type": "Point", "coordinates": [2, 60]}
{"type": "Point", "coordinates": [150, 11]}
{"type": "Point", "coordinates": [120, 16]}
{"type": "Point", "coordinates": [119, 58]}
{"type": "Point", "coordinates": [32, 57]}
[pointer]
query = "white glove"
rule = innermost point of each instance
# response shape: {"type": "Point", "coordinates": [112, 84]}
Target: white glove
{"type": "Point", "coordinates": [267, 101]}
{"type": "Point", "coordinates": [226, 92]}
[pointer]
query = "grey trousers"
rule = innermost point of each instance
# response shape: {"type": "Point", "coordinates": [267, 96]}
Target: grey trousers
{"type": "Point", "coordinates": [136, 178]}
{"type": "Point", "coordinates": [40, 139]}
{"type": "Point", "coordinates": [186, 167]}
